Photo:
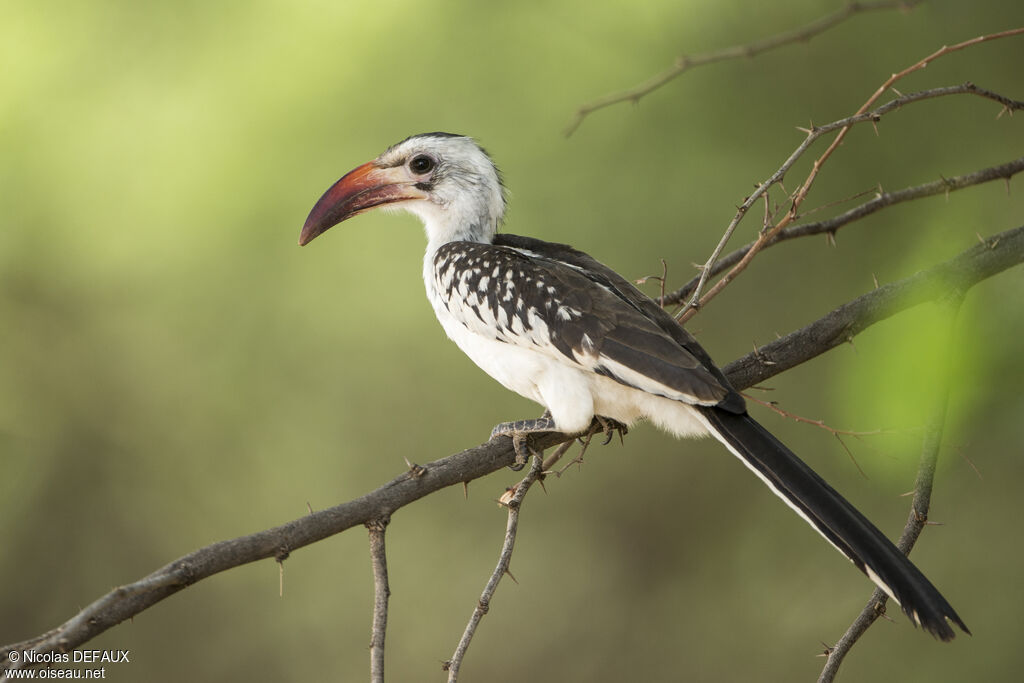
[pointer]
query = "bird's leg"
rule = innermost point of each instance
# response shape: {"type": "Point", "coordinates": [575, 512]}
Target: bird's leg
{"type": "Point", "coordinates": [520, 431]}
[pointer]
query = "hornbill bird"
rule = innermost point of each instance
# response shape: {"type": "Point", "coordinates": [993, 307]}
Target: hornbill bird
{"type": "Point", "coordinates": [558, 327]}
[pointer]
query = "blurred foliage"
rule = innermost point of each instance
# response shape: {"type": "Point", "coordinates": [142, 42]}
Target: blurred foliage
{"type": "Point", "coordinates": [175, 371]}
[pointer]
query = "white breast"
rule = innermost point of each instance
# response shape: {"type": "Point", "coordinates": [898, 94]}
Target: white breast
{"type": "Point", "coordinates": [572, 394]}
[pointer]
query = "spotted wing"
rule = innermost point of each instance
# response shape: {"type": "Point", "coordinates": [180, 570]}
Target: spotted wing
{"type": "Point", "coordinates": [520, 296]}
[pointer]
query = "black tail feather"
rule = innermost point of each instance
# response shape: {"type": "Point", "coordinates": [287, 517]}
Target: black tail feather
{"type": "Point", "coordinates": [835, 519]}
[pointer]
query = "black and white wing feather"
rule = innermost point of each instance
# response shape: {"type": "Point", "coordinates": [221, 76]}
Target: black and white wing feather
{"type": "Point", "coordinates": [522, 297]}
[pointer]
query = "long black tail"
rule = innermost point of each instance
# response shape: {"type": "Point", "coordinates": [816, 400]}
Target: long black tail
{"type": "Point", "coordinates": [835, 519]}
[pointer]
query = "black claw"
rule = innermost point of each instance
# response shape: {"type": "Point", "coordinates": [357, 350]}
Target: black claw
{"type": "Point", "coordinates": [609, 427]}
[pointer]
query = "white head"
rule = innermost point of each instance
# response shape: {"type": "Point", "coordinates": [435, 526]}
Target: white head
{"type": "Point", "coordinates": [447, 180]}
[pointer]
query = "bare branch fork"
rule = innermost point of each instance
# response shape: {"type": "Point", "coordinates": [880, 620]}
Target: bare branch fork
{"type": "Point", "coordinates": [978, 263]}
{"type": "Point", "coordinates": [684, 63]}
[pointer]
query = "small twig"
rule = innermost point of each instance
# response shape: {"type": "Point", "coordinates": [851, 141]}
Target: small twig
{"type": "Point", "coordinates": [513, 500]}
{"type": "Point", "coordinates": [684, 63]}
{"type": "Point", "coordinates": [553, 459]}
{"type": "Point", "coordinates": [838, 433]}
{"type": "Point", "coordinates": [663, 278]}
{"type": "Point", "coordinates": [918, 518]}
{"type": "Point", "coordinates": [974, 467]}
{"type": "Point", "coordinates": [807, 420]}
{"type": "Point", "coordinates": [381, 593]}
{"type": "Point", "coordinates": [578, 460]}
{"type": "Point", "coordinates": [876, 191]}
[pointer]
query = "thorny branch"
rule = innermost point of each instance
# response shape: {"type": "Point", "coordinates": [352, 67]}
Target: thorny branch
{"type": "Point", "coordinates": [684, 63]}
{"type": "Point", "coordinates": [918, 518]}
{"type": "Point", "coordinates": [881, 201]}
{"type": "Point", "coordinates": [841, 325]}
{"type": "Point", "coordinates": [982, 261]}
{"type": "Point", "coordinates": [381, 593]}
{"type": "Point", "coordinates": [698, 298]}
{"type": "Point", "coordinates": [513, 500]}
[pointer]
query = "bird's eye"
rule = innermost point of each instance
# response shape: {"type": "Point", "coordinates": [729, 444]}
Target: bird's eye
{"type": "Point", "coordinates": [421, 164]}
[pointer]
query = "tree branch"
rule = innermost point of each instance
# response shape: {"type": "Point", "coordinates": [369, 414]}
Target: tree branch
{"type": "Point", "coordinates": [126, 601]}
{"type": "Point", "coordinates": [920, 505]}
{"type": "Point", "coordinates": [381, 593]}
{"type": "Point", "coordinates": [684, 63]}
{"type": "Point", "coordinates": [992, 256]}
{"type": "Point", "coordinates": [881, 201]}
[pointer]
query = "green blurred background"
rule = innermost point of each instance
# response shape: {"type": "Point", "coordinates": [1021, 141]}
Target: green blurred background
{"type": "Point", "coordinates": [174, 370]}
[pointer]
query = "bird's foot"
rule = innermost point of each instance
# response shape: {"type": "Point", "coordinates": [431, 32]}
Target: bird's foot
{"type": "Point", "coordinates": [600, 425]}
{"type": "Point", "coordinates": [608, 427]}
{"type": "Point", "coordinates": [520, 432]}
